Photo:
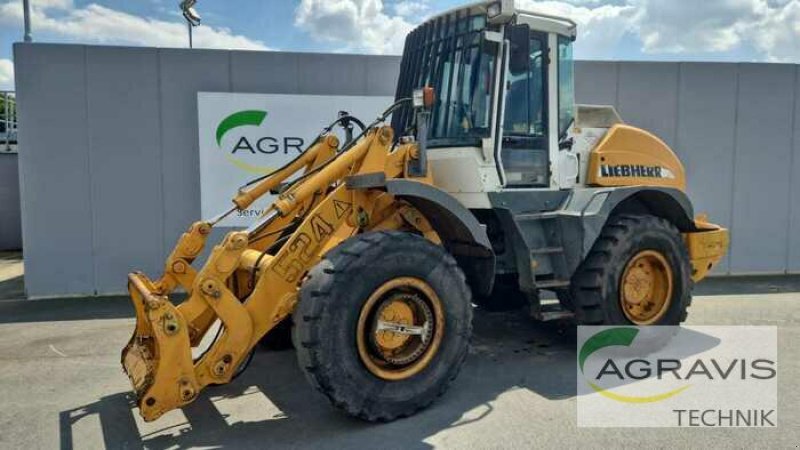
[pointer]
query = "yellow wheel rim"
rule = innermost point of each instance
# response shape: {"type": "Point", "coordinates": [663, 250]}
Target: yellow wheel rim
{"type": "Point", "coordinates": [400, 329]}
{"type": "Point", "coordinates": [646, 288]}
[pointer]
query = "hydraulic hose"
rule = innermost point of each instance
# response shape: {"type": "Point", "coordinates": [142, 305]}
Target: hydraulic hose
{"type": "Point", "coordinates": [347, 147]}
{"type": "Point", "coordinates": [342, 119]}
{"type": "Point", "coordinates": [351, 144]}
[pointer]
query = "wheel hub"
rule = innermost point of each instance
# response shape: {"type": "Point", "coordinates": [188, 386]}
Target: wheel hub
{"type": "Point", "coordinates": [397, 325]}
{"type": "Point", "coordinates": [394, 319]}
{"type": "Point", "coordinates": [639, 284]}
{"type": "Point", "coordinates": [646, 288]}
{"type": "Point", "coordinates": [400, 328]}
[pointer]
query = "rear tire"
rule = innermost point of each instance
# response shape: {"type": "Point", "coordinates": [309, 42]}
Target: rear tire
{"type": "Point", "coordinates": [335, 300]}
{"type": "Point", "coordinates": [598, 288]}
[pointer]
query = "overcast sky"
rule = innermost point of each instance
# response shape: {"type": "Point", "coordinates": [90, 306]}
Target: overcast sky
{"type": "Point", "coordinates": [688, 30]}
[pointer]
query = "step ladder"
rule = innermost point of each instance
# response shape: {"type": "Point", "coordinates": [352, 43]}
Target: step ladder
{"type": "Point", "coordinates": [545, 251]}
{"type": "Point", "coordinates": [550, 310]}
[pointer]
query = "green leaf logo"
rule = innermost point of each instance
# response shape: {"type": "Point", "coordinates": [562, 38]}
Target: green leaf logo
{"type": "Point", "coordinates": [611, 338]}
{"type": "Point", "coordinates": [253, 117]}
{"type": "Point", "coordinates": [238, 119]}
{"type": "Point", "coordinates": [606, 338]}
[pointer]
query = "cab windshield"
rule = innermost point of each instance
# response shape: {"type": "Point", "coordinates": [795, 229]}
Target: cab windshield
{"type": "Point", "coordinates": [450, 55]}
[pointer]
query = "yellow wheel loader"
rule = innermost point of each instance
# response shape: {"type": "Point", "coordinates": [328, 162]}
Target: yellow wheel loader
{"type": "Point", "coordinates": [490, 179]}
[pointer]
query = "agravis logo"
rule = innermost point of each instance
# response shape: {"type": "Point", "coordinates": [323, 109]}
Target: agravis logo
{"type": "Point", "coordinates": [244, 149]}
{"type": "Point", "coordinates": [677, 376]}
{"type": "Point", "coordinates": [611, 338]}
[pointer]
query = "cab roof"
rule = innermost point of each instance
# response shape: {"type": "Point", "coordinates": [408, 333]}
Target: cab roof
{"type": "Point", "coordinates": [509, 12]}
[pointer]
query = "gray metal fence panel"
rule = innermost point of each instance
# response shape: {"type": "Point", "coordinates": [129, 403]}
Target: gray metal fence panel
{"type": "Point", "coordinates": [131, 117]}
{"type": "Point", "coordinates": [55, 181]}
{"type": "Point", "coordinates": [648, 97]}
{"type": "Point", "coordinates": [793, 263]}
{"type": "Point", "coordinates": [267, 72]}
{"type": "Point", "coordinates": [182, 74]}
{"type": "Point", "coordinates": [762, 170]}
{"type": "Point", "coordinates": [596, 82]}
{"type": "Point", "coordinates": [318, 70]}
{"type": "Point", "coordinates": [382, 74]}
{"type": "Point", "coordinates": [125, 162]}
{"type": "Point", "coordinates": [705, 137]}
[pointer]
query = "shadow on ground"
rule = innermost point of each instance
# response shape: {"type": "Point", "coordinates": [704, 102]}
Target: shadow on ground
{"type": "Point", "coordinates": [10, 256]}
{"type": "Point", "coordinates": [12, 281]}
{"type": "Point", "coordinates": [54, 310]}
{"type": "Point", "coordinates": [12, 288]}
{"type": "Point", "coordinates": [509, 351]}
{"type": "Point", "coordinates": [72, 308]}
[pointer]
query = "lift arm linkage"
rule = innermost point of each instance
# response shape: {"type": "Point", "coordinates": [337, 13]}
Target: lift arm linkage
{"type": "Point", "coordinates": [250, 281]}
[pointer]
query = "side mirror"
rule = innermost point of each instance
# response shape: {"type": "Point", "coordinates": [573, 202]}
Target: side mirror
{"type": "Point", "coordinates": [519, 58]}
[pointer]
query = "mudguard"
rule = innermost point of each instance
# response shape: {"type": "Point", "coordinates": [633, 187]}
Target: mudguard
{"type": "Point", "coordinates": [577, 218]}
{"type": "Point", "coordinates": [461, 233]}
{"type": "Point", "coordinates": [593, 207]}
{"type": "Point", "coordinates": [706, 242]}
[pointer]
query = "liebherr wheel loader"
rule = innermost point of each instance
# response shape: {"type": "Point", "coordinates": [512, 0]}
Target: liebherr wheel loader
{"type": "Point", "coordinates": [489, 177]}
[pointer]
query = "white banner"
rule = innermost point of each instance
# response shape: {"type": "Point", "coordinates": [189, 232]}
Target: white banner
{"type": "Point", "coordinates": [244, 136]}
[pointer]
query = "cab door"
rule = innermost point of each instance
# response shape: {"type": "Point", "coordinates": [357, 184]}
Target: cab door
{"type": "Point", "coordinates": [525, 143]}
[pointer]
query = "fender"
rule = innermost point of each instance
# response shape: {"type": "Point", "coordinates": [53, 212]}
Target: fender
{"type": "Point", "coordinates": [592, 208]}
{"type": "Point", "coordinates": [461, 233]}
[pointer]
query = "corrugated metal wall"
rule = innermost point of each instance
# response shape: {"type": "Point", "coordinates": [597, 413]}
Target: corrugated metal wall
{"type": "Point", "coordinates": [109, 171]}
{"type": "Point", "coordinates": [736, 127]}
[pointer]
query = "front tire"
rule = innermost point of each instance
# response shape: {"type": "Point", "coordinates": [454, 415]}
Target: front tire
{"type": "Point", "coordinates": [383, 324]}
{"type": "Point", "coordinates": [636, 273]}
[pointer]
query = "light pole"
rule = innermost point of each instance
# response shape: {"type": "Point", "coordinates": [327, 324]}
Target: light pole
{"type": "Point", "coordinates": [26, 17]}
{"type": "Point", "coordinates": [191, 16]}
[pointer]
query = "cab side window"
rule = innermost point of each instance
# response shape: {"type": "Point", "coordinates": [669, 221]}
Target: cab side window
{"type": "Point", "coordinates": [526, 109]}
{"type": "Point", "coordinates": [566, 85]}
{"type": "Point", "coordinates": [524, 152]}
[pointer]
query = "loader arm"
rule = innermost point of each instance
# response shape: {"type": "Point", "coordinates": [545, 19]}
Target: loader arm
{"type": "Point", "coordinates": [251, 279]}
{"type": "Point", "coordinates": [178, 270]}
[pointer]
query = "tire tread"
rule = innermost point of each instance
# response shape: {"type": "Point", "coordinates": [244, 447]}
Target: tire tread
{"type": "Point", "coordinates": [589, 282]}
{"type": "Point", "coordinates": [316, 298]}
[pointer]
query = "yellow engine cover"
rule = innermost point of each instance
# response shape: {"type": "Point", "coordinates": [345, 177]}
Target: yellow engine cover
{"type": "Point", "coordinates": [629, 156]}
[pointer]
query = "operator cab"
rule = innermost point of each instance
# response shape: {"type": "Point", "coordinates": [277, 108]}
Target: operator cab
{"type": "Point", "coordinates": [504, 84]}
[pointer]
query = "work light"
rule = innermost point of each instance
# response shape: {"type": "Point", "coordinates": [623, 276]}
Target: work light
{"type": "Point", "coordinates": [500, 11]}
{"type": "Point", "coordinates": [191, 15]}
{"type": "Point", "coordinates": [423, 98]}
{"type": "Point", "coordinates": [494, 10]}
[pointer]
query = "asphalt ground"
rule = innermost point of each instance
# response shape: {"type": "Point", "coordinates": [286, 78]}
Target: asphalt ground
{"type": "Point", "coordinates": [61, 385]}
